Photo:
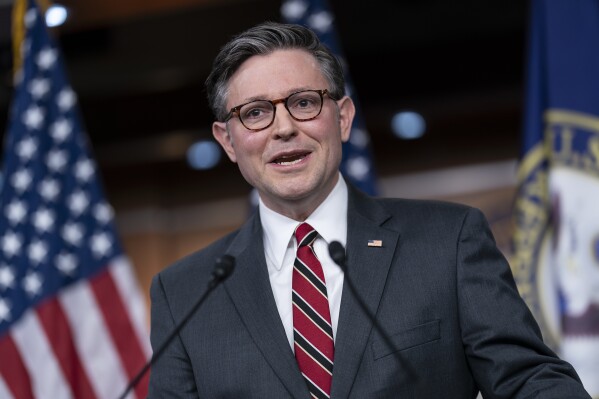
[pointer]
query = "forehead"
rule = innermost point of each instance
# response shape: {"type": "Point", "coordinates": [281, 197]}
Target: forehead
{"type": "Point", "coordinates": [275, 75]}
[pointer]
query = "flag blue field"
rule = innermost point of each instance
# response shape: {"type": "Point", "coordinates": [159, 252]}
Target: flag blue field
{"type": "Point", "coordinates": [556, 242]}
{"type": "Point", "coordinates": [357, 163]}
{"type": "Point", "coordinates": [72, 319]}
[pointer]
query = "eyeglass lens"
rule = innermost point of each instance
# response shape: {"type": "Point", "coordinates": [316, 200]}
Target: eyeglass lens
{"type": "Point", "coordinates": [302, 106]}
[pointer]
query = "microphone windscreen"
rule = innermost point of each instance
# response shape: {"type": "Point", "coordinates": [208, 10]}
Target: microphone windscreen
{"type": "Point", "coordinates": [337, 253]}
{"type": "Point", "coordinates": [224, 267]}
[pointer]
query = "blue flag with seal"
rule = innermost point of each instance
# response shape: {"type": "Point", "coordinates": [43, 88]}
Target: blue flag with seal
{"type": "Point", "coordinates": [357, 164]}
{"type": "Point", "coordinates": [556, 240]}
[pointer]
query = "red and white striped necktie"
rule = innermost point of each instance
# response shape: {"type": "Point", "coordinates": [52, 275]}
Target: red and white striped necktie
{"type": "Point", "coordinates": [312, 330]}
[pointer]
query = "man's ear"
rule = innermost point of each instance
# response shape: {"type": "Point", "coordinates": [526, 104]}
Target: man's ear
{"type": "Point", "coordinates": [347, 111]}
{"type": "Point", "coordinates": [220, 133]}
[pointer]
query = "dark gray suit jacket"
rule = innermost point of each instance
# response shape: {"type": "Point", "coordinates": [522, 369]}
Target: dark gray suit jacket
{"type": "Point", "coordinates": [438, 286]}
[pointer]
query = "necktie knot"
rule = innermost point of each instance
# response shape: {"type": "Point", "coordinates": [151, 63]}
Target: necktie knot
{"type": "Point", "coordinates": [305, 234]}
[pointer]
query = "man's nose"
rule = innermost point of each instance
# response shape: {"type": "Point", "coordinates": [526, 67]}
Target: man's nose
{"type": "Point", "coordinates": [284, 124]}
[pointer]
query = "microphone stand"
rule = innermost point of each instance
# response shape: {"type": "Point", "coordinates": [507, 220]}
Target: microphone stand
{"type": "Point", "coordinates": [222, 269]}
{"type": "Point", "coordinates": [337, 253]}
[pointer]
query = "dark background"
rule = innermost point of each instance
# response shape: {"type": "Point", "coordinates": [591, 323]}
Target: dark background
{"type": "Point", "coordinates": [138, 68]}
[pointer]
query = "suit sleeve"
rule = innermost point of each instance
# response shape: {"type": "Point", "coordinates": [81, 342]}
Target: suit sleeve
{"type": "Point", "coordinates": [171, 376]}
{"type": "Point", "coordinates": [501, 339]}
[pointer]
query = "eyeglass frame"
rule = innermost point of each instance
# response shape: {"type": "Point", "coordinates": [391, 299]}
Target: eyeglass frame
{"type": "Point", "coordinates": [235, 110]}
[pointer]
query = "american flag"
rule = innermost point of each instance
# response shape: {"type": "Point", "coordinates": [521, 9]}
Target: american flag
{"type": "Point", "coordinates": [357, 164]}
{"type": "Point", "coordinates": [72, 319]}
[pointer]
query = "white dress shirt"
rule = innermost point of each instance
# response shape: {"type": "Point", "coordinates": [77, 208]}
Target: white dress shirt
{"type": "Point", "coordinates": [330, 221]}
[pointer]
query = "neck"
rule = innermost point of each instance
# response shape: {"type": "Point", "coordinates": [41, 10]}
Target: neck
{"type": "Point", "coordinates": [299, 209]}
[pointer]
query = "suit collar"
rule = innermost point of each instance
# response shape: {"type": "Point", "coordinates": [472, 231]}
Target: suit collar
{"type": "Point", "coordinates": [250, 291]}
{"type": "Point", "coordinates": [367, 268]}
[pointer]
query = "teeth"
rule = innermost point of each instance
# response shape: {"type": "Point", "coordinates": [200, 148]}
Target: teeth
{"type": "Point", "coordinates": [285, 163]}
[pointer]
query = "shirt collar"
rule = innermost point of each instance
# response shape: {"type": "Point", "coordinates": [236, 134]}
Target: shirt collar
{"type": "Point", "coordinates": [329, 219]}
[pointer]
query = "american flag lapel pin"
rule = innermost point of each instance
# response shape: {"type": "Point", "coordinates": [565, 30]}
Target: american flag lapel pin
{"type": "Point", "coordinates": [375, 243]}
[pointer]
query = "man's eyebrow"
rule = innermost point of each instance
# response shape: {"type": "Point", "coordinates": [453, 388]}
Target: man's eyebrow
{"type": "Point", "coordinates": [263, 97]}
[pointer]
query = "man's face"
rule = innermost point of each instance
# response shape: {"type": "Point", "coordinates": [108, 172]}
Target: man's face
{"type": "Point", "coordinates": [293, 165]}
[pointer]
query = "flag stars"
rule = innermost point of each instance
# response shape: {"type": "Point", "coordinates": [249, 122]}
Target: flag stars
{"type": "Point", "coordinates": [21, 180]}
{"type": "Point", "coordinates": [43, 220]}
{"type": "Point", "coordinates": [49, 189]}
{"type": "Point", "coordinates": [26, 148]}
{"type": "Point", "coordinates": [33, 117]}
{"type": "Point", "coordinates": [30, 17]}
{"type": "Point", "coordinates": [84, 170]}
{"type": "Point", "coordinates": [61, 129]}
{"type": "Point", "coordinates": [38, 250]}
{"type": "Point", "coordinates": [66, 99]}
{"type": "Point", "coordinates": [73, 233]}
{"type": "Point", "coordinates": [39, 87]}
{"type": "Point", "coordinates": [25, 46]}
{"type": "Point", "coordinates": [100, 244]}
{"type": "Point", "coordinates": [358, 167]}
{"type": "Point", "coordinates": [321, 21]}
{"type": "Point", "coordinates": [11, 244]}
{"type": "Point", "coordinates": [66, 263]}
{"type": "Point", "coordinates": [359, 138]}
{"type": "Point", "coordinates": [7, 277]}
{"type": "Point", "coordinates": [16, 211]}
{"type": "Point", "coordinates": [294, 9]}
{"type": "Point", "coordinates": [78, 202]}
{"type": "Point", "coordinates": [56, 160]}
{"type": "Point", "coordinates": [103, 213]}
{"type": "Point", "coordinates": [4, 310]}
{"type": "Point", "coordinates": [32, 283]}
{"type": "Point", "coordinates": [46, 58]}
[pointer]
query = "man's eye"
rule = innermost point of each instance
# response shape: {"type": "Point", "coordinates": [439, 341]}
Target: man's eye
{"type": "Point", "coordinates": [255, 112]}
{"type": "Point", "coordinates": [304, 103]}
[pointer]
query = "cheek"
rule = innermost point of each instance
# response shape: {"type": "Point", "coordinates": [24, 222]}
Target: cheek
{"type": "Point", "coordinates": [249, 149]}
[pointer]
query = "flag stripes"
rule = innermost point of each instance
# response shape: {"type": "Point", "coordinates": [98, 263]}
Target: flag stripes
{"type": "Point", "coordinates": [44, 372]}
{"type": "Point", "coordinates": [119, 326]}
{"type": "Point", "coordinates": [56, 328]}
{"type": "Point", "coordinates": [66, 334]}
{"type": "Point", "coordinates": [13, 373]}
{"type": "Point", "coordinates": [128, 289]}
{"type": "Point", "coordinates": [5, 393]}
{"type": "Point", "coordinates": [92, 338]}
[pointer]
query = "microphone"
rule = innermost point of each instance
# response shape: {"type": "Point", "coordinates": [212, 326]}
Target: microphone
{"type": "Point", "coordinates": [223, 268]}
{"type": "Point", "coordinates": [337, 253]}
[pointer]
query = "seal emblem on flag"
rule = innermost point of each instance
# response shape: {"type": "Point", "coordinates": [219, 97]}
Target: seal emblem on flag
{"type": "Point", "coordinates": [557, 258]}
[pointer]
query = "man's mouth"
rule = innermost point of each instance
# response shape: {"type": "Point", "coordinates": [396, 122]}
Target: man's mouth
{"type": "Point", "coordinates": [287, 160]}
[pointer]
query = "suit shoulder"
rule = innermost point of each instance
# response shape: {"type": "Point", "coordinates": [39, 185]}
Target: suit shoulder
{"type": "Point", "coordinates": [430, 215]}
{"type": "Point", "coordinates": [417, 208]}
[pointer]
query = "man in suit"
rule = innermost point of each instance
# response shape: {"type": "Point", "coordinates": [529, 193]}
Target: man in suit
{"type": "Point", "coordinates": [285, 325]}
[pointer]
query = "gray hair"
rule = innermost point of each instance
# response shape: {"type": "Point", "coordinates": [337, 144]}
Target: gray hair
{"type": "Point", "coordinates": [264, 39]}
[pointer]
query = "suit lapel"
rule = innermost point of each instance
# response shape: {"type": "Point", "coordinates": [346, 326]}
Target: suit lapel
{"type": "Point", "coordinates": [367, 268]}
{"type": "Point", "coordinates": [249, 289]}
